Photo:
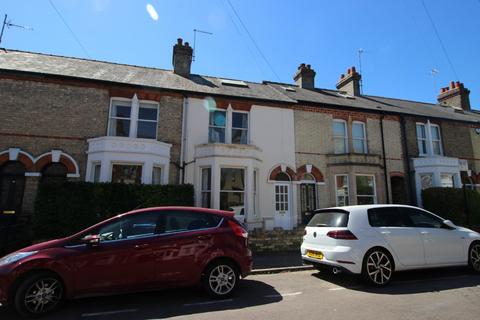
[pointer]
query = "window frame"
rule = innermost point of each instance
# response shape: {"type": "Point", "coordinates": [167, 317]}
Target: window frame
{"type": "Point", "coordinates": [420, 139]}
{"type": "Point", "coordinates": [138, 164]}
{"type": "Point", "coordinates": [204, 191]}
{"type": "Point", "coordinates": [347, 197]}
{"type": "Point", "coordinates": [161, 174]}
{"type": "Point", "coordinates": [92, 174]}
{"type": "Point", "coordinates": [230, 123]}
{"type": "Point", "coordinates": [439, 140]}
{"type": "Point", "coordinates": [255, 191]}
{"type": "Point", "coordinates": [210, 126]}
{"type": "Point", "coordinates": [363, 139]}
{"type": "Point", "coordinates": [220, 191]}
{"type": "Point", "coordinates": [374, 187]}
{"type": "Point", "coordinates": [154, 105]}
{"type": "Point", "coordinates": [344, 138]}
{"type": "Point", "coordinates": [123, 103]}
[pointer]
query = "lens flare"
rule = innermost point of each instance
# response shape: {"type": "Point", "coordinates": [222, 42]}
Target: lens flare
{"type": "Point", "coordinates": [209, 104]}
{"type": "Point", "coordinates": [152, 12]}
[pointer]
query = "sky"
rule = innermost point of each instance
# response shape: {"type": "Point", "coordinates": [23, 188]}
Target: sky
{"type": "Point", "coordinates": [401, 41]}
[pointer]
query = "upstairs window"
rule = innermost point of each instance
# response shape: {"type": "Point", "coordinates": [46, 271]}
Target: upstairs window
{"type": "Point", "coordinates": [133, 118]}
{"type": "Point", "coordinates": [429, 139]}
{"type": "Point", "coordinates": [217, 126]}
{"type": "Point", "coordinates": [340, 138]}
{"type": "Point", "coordinates": [239, 127]}
{"type": "Point", "coordinates": [147, 121]}
{"type": "Point", "coordinates": [120, 118]}
{"type": "Point", "coordinates": [359, 137]}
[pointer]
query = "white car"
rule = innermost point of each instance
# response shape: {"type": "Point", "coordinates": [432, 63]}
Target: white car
{"type": "Point", "coordinates": [376, 240]}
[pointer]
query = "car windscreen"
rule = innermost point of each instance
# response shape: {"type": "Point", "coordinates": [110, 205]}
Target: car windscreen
{"type": "Point", "coordinates": [329, 219]}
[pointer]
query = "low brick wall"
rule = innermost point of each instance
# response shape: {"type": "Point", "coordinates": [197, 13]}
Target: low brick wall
{"type": "Point", "coordinates": [277, 240]}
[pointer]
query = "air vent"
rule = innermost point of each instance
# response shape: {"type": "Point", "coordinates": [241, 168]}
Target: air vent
{"type": "Point", "coordinates": [234, 83]}
{"type": "Point", "coordinates": [289, 89]}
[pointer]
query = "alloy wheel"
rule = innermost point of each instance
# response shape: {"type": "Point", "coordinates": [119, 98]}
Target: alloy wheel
{"type": "Point", "coordinates": [222, 279]}
{"type": "Point", "coordinates": [43, 295]}
{"type": "Point", "coordinates": [475, 257]}
{"type": "Point", "coordinates": [379, 267]}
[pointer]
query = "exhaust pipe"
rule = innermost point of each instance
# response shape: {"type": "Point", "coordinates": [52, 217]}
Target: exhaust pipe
{"type": "Point", "coordinates": [336, 271]}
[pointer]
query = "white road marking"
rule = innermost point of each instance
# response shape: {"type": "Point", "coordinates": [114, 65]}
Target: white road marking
{"type": "Point", "coordinates": [288, 294]}
{"type": "Point", "coordinates": [95, 314]}
{"type": "Point", "coordinates": [206, 303]}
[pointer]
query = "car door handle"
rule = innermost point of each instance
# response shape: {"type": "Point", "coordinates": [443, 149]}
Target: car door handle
{"type": "Point", "coordinates": [204, 237]}
{"type": "Point", "coordinates": [141, 246]}
{"type": "Point", "coordinates": [385, 232]}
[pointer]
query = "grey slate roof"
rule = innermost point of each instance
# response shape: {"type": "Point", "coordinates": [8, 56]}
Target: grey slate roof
{"type": "Point", "coordinates": [127, 74]}
{"type": "Point", "coordinates": [21, 61]}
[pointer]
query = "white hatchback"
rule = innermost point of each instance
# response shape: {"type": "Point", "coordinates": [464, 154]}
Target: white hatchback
{"type": "Point", "coordinates": [376, 240]}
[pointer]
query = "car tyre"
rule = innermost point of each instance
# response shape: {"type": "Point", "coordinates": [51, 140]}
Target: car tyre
{"type": "Point", "coordinates": [39, 294]}
{"type": "Point", "coordinates": [474, 256]}
{"type": "Point", "coordinates": [220, 279]}
{"type": "Point", "coordinates": [378, 267]}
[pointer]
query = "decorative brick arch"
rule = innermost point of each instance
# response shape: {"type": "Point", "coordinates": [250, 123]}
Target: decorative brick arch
{"type": "Point", "coordinates": [56, 156]}
{"type": "Point", "coordinates": [278, 169]}
{"type": "Point", "coordinates": [314, 171]}
{"type": "Point", "coordinates": [15, 154]}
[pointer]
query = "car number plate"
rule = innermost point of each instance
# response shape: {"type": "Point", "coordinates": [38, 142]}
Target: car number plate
{"type": "Point", "coordinates": [315, 254]}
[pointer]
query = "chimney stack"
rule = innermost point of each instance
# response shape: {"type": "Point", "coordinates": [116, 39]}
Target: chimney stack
{"type": "Point", "coordinates": [305, 77]}
{"type": "Point", "coordinates": [456, 95]}
{"type": "Point", "coordinates": [182, 58]}
{"type": "Point", "coordinates": [350, 83]}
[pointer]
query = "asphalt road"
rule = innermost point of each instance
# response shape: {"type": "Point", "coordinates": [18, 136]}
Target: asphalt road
{"type": "Point", "coordinates": [431, 294]}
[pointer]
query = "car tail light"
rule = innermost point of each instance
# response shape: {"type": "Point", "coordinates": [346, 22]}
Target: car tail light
{"type": "Point", "coordinates": [305, 232]}
{"type": "Point", "coordinates": [237, 229]}
{"type": "Point", "coordinates": [342, 235]}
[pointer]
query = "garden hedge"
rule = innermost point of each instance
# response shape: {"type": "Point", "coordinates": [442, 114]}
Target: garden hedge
{"type": "Point", "coordinates": [449, 203]}
{"type": "Point", "coordinates": [64, 208]}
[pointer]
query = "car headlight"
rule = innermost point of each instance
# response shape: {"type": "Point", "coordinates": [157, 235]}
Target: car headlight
{"type": "Point", "coordinates": [14, 257]}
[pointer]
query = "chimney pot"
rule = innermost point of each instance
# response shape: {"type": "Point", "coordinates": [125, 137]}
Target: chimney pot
{"type": "Point", "coordinates": [182, 58]}
{"type": "Point", "coordinates": [458, 98]}
{"type": "Point", "coordinates": [350, 82]}
{"type": "Point", "coordinates": [179, 41]}
{"type": "Point", "coordinates": [353, 69]}
{"type": "Point", "coordinates": [305, 76]}
{"type": "Point", "coordinates": [452, 84]}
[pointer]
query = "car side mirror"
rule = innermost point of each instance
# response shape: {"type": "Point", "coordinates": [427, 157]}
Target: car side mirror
{"type": "Point", "coordinates": [92, 240]}
{"type": "Point", "coordinates": [449, 224]}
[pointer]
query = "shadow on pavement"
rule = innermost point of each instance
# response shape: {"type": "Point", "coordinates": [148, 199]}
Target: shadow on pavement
{"type": "Point", "coordinates": [161, 304]}
{"type": "Point", "coordinates": [409, 282]}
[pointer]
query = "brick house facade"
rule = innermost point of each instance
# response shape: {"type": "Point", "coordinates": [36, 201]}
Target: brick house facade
{"type": "Point", "coordinates": [269, 151]}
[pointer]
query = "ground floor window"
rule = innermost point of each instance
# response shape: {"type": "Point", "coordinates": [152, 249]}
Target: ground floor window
{"type": "Point", "coordinates": [232, 190]}
{"type": "Point", "coordinates": [96, 172]}
{"type": "Point", "coordinates": [157, 175]}
{"type": "Point", "coordinates": [206, 187]}
{"type": "Point", "coordinates": [255, 191]}
{"type": "Point", "coordinates": [342, 192]}
{"type": "Point", "coordinates": [426, 180]}
{"type": "Point", "coordinates": [126, 173]}
{"type": "Point", "coordinates": [447, 180]}
{"type": "Point", "coordinates": [366, 190]}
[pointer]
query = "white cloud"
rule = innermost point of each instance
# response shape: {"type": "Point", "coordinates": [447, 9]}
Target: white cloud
{"type": "Point", "coordinates": [152, 12]}
{"type": "Point", "coordinates": [100, 5]}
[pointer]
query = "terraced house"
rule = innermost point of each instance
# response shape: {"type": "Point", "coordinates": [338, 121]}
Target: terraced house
{"type": "Point", "coordinates": [271, 152]}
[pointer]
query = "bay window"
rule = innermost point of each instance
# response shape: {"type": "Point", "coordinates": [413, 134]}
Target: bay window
{"type": "Point", "coordinates": [341, 189]}
{"type": "Point", "coordinates": [366, 193]}
{"type": "Point", "coordinates": [127, 173]}
{"type": "Point", "coordinates": [232, 190]}
{"type": "Point", "coordinates": [157, 175]}
{"type": "Point", "coordinates": [447, 180]}
{"type": "Point", "coordinates": [206, 190]}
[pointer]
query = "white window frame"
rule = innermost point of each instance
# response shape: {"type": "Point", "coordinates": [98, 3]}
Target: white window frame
{"type": "Point", "coordinates": [152, 105]}
{"type": "Point", "coordinates": [374, 187]}
{"type": "Point", "coordinates": [126, 163]}
{"type": "Point", "coordinates": [363, 139]}
{"type": "Point", "coordinates": [161, 174]}
{"type": "Point", "coordinates": [429, 139]}
{"type": "Point", "coordinates": [134, 104]}
{"type": "Point", "coordinates": [452, 175]}
{"type": "Point", "coordinates": [231, 127]}
{"type": "Point", "coordinates": [347, 197]}
{"type": "Point", "coordinates": [432, 177]}
{"type": "Point", "coordinates": [213, 126]}
{"type": "Point", "coordinates": [255, 191]}
{"type": "Point", "coordinates": [344, 138]}
{"type": "Point", "coordinates": [439, 139]}
{"type": "Point", "coordinates": [209, 191]}
{"type": "Point", "coordinates": [92, 174]}
{"type": "Point", "coordinates": [234, 191]}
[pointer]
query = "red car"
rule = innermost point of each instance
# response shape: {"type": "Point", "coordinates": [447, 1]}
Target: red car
{"type": "Point", "coordinates": [139, 250]}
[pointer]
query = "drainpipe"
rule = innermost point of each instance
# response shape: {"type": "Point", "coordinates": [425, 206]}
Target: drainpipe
{"type": "Point", "coordinates": [387, 189]}
{"type": "Point", "coordinates": [407, 158]}
{"type": "Point", "coordinates": [184, 140]}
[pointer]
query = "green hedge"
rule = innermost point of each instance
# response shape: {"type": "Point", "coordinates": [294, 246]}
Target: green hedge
{"type": "Point", "coordinates": [449, 203]}
{"type": "Point", "coordinates": [65, 208]}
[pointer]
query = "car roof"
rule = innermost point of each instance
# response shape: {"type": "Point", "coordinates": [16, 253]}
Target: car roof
{"type": "Point", "coordinates": [182, 208]}
{"type": "Point", "coordinates": [362, 208]}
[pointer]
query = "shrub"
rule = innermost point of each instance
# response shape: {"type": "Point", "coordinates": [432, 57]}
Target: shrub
{"type": "Point", "coordinates": [449, 203]}
{"type": "Point", "coordinates": [64, 208]}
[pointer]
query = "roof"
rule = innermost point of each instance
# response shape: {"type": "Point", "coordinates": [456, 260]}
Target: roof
{"type": "Point", "coordinates": [45, 64]}
{"type": "Point", "coordinates": [13, 60]}
{"type": "Point", "coordinates": [373, 103]}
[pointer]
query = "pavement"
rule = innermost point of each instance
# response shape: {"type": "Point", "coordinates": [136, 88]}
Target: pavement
{"type": "Point", "coordinates": [278, 262]}
{"type": "Point", "coordinates": [452, 293]}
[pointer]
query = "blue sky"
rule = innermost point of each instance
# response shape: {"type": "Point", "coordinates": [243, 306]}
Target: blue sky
{"type": "Point", "coordinates": [399, 42]}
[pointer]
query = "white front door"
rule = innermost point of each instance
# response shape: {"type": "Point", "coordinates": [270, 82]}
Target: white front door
{"type": "Point", "coordinates": [283, 212]}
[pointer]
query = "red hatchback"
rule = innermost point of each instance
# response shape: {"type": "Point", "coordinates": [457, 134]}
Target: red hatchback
{"type": "Point", "coordinates": [140, 250]}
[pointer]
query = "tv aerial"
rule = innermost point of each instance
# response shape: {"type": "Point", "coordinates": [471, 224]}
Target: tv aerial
{"type": "Point", "coordinates": [9, 24]}
{"type": "Point", "coordinates": [195, 40]}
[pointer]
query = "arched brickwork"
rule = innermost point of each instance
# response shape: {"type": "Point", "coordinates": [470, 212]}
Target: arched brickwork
{"type": "Point", "coordinates": [276, 170]}
{"type": "Point", "coordinates": [23, 157]}
{"type": "Point", "coordinates": [316, 173]}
